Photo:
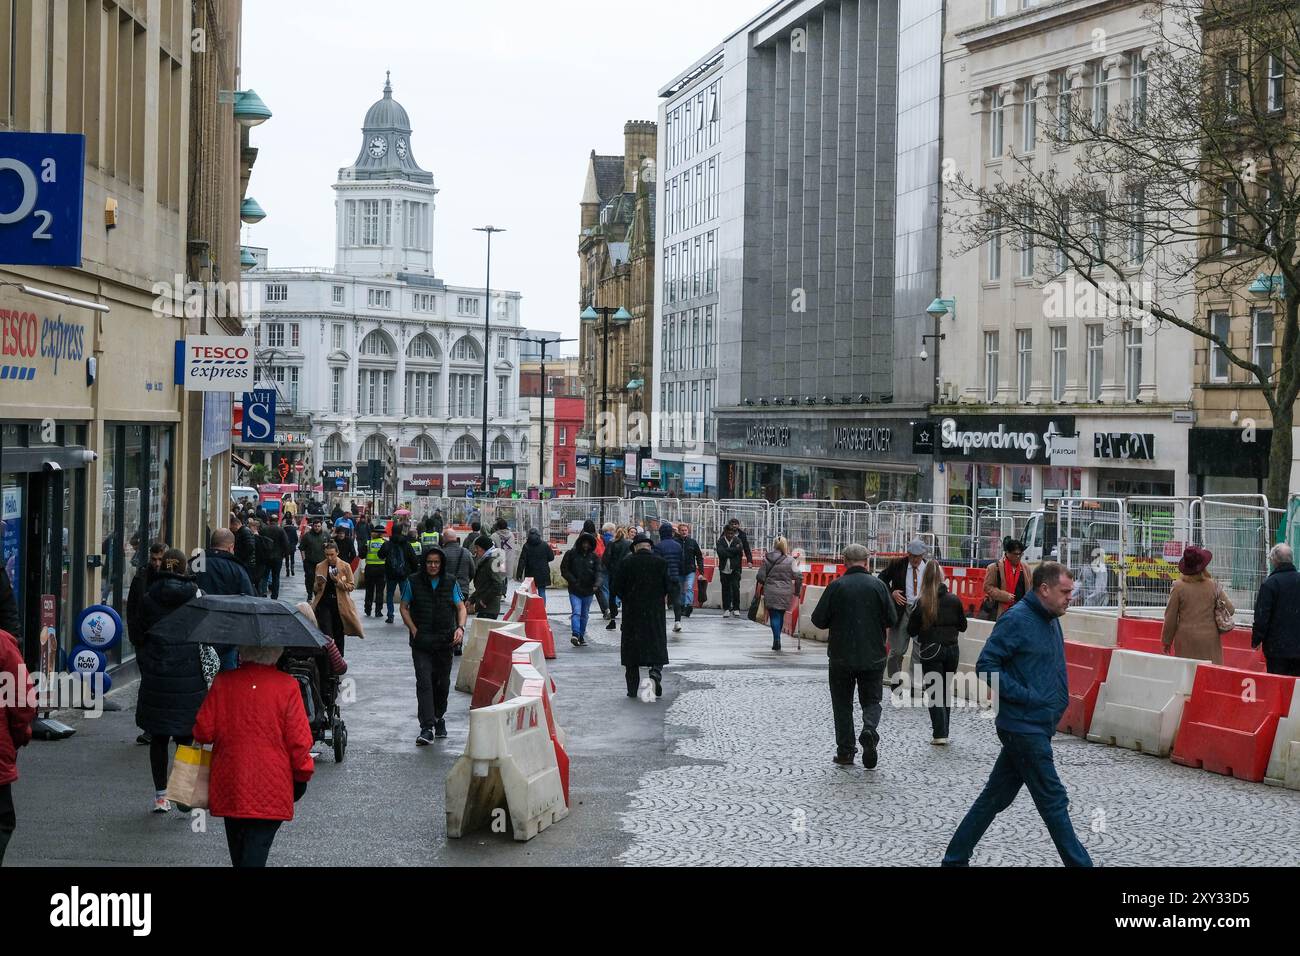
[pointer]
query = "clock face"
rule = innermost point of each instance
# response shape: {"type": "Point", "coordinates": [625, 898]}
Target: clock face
{"type": "Point", "coordinates": [401, 148]}
{"type": "Point", "coordinates": [378, 146]}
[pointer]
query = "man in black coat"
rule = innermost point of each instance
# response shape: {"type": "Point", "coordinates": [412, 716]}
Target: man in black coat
{"type": "Point", "coordinates": [581, 572]}
{"type": "Point", "coordinates": [642, 583]}
{"type": "Point", "coordinates": [535, 562]}
{"type": "Point", "coordinates": [400, 562]}
{"type": "Point", "coordinates": [857, 611]}
{"type": "Point", "coordinates": [489, 579]}
{"type": "Point", "coordinates": [220, 573]}
{"type": "Point", "coordinates": [245, 545]}
{"type": "Point", "coordinates": [1277, 614]}
{"type": "Point", "coordinates": [692, 567]}
{"type": "Point", "coordinates": [275, 547]}
{"type": "Point", "coordinates": [730, 552]}
{"type": "Point", "coordinates": [744, 539]}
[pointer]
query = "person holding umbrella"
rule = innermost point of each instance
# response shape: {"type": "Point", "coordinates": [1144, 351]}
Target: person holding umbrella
{"type": "Point", "coordinates": [172, 685]}
{"type": "Point", "coordinates": [642, 583]}
{"type": "Point", "coordinates": [335, 612]}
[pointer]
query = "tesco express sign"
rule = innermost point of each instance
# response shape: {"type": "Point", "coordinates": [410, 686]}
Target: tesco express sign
{"type": "Point", "coordinates": [218, 363]}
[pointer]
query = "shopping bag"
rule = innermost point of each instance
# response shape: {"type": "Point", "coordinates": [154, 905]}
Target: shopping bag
{"type": "Point", "coordinates": [188, 783]}
{"type": "Point", "coordinates": [758, 610]}
{"type": "Point", "coordinates": [360, 579]}
{"type": "Point", "coordinates": [702, 589]}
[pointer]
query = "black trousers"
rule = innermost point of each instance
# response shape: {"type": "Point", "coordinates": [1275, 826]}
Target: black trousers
{"type": "Point", "coordinates": [730, 591]}
{"type": "Point", "coordinates": [8, 820]}
{"type": "Point", "coordinates": [633, 676]}
{"type": "Point", "coordinates": [250, 840]}
{"type": "Point", "coordinates": [870, 692]}
{"type": "Point", "coordinates": [274, 588]}
{"type": "Point", "coordinates": [288, 564]}
{"type": "Point", "coordinates": [375, 588]}
{"type": "Point", "coordinates": [1289, 666]}
{"type": "Point", "coordinates": [937, 690]}
{"type": "Point", "coordinates": [159, 752]}
{"type": "Point", "coordinates": [432, 684]}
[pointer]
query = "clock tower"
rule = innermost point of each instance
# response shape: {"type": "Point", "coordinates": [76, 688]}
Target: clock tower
{"type": "Point", "coordinates": [384, 202]}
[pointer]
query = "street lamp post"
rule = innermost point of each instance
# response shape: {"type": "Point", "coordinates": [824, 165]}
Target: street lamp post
{"type": "Point", "coordinates": [541, 450]}
{"type": "Point", "coordinates": [487, 341]}
{"type": "Point", "coordinates": [591, 314]}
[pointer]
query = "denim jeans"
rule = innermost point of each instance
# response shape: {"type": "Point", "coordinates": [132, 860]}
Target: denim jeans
{"type": "Point", "coordinates": [688, 590]}
{"type": "Point", "coordinates": [1026, 759]}
{"type": "Point", "coordinates": [776, 619]}
{"type": "Point", "coordinates": [390, 587]}
{"type": "Point", "coordinates": [579, 607]}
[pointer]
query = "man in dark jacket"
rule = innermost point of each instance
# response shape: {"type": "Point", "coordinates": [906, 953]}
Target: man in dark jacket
{"type": "Point", "coordinates": [902, 577]}
{"type": "Point", "coordinates": [642, 583]}
{"type": "Point", "coordinates": [692, 566]}
{"type": "Point", "coordinates": [670, 550]}
{"type": "Point", "coordinates": [221, 574]}
{"type": "Point", "coordinates": [1024, 664]}
{"type": "Point", "coordinates": [734, 525]}
{"type": "Point", "coordinates": [730, 552]}
{"type": "Point", "coordinates": [275, 547]}
{"type": "Point", "coordinates": [616, 552]}
{"type": "Point", "coordinates": [489, 579]}
{"type": "Point", "coordinates": [535, 562]}
{"type": "Point", "coordinates": [245, 546]}
{"type": "Point", "coordinates": [399, 563]}
{"type": "Point", "coordinates": [140, 582]}
{"type": "Point", "coordinates": [1277, 614]}
{"type": "Point", "coordinates": [433, 611]}
{"type": "Point", "coordinates": [312, 547]}
{"type": "Point", "coordinates": [857, 611]}
{"type": "Point", "coordinates": [581, 572]}
{"type": "Point", "coordinates": [290, 530]}
{"type": "Point", "coordinates": [457, 560]}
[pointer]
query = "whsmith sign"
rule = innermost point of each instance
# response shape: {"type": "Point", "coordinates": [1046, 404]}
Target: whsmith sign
{"type": "Point", "coordinates": [1003, 439]}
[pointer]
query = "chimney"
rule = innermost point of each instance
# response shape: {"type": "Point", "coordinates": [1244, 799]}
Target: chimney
{"type": "Point", "coordinates": [638, 144]}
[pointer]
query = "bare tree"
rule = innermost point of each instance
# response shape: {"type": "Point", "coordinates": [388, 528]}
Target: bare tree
{"type": "Point", "coordinates": [1186, 185]}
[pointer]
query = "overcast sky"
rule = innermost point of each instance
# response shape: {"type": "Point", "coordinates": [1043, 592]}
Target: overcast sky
{"type": "Point", "coordinates": [506, 100]}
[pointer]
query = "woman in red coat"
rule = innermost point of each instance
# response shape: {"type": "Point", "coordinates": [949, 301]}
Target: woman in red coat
{"type": "Point", "coordinates": [15, 728]}
{"type": "Point", "coordinates": [261, 751]}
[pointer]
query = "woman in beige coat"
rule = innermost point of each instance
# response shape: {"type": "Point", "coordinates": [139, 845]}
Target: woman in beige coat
{"type": "Point", "coordinates": [332, 601]}
{"type": "Point", "coordinates": [1190, 630]}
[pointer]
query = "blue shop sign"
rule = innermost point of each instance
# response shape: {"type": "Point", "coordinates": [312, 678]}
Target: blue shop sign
{"type": "Point", "coordinates": [42, 182]}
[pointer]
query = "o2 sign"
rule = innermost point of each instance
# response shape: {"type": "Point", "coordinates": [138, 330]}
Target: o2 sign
{"type": "Point", "coordinates": [42, 182]}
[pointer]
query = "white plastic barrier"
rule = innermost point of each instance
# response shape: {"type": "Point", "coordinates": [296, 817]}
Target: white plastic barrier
{"type": "Point", "coordinates": [1141, 701]}
{"type": "Point", "coordinates": [528, 678]}
{"type": "Point", "coordinates": [1284, 764]}
{"type": "Point", "coordinates": [520, 599]}
{"type": "Point", "coordinates": [748, 577]}
{"type": "Point", "coordinates": [471, 655]}
{"type": "Point", "coordinates": [1090, 627]}
{"type": "Point", "coordinates": [811, 595]}
{"type": "Point", "coordinates": [969, 645]}
{"type": "Point", "coordinates": [510, 764]}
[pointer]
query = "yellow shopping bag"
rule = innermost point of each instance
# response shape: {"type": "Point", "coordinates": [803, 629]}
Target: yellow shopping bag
{"type": "Point", "coordinates": [187, 786]}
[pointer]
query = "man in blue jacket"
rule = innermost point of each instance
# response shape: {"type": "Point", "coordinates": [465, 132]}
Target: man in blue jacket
{"type": "Point", "coordinates": [670, 550]}
{"type": "Point", "coordinates": [221, 573]}
{"type": "Point", "coordinates": [1024, 663]}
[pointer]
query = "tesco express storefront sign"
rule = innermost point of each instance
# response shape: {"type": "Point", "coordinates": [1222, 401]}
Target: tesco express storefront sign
{"type": "Point", "coordinates": [216, 363]}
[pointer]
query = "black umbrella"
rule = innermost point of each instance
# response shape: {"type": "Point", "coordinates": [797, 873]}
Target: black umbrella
{"type": "Point", "coordinates": [239, 620]}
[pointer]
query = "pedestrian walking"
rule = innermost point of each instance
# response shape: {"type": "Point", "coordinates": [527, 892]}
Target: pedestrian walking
{"type": "Point", "coordinates": [433, 610]}
{"type": "Point", "coordinates": [730, 553]}
{"type": "Point", "coordinates": [1024, 663]}
{"type": "Point", "coordinates": [734, 525]}
{"type": "Point", "coordinates": [1195, 602]}
{"type": "Point", "coordinates": [172, 684]}
{"type": "Point", "coordinates": [935, 623]}
{"type": "Point", "coordinates": [1277, 614]}
{"type": "Point", "coordinates": [336, 615]}
{"type": "Point", "coordinates": [222, 574]}
{"type": "Point", "coordinates": [274, 548]}
{"type": "Point", "coordinates": [398, 566]}
{"type": "Point", "coordinates": [603, 541]}
{"type": "Point", "coordinates": [778, 584]}
{"type": "Point", "coordinates": [139, 584]}
{"type": "Point", "coordinates": [692, 566]}
{"type": "Point", "coordinates": [16, 718]}
{"type": "Point", "coordinates": [670, 549]}
{"type": "Point", "coordinates": [347, 549]}
{"type": "Point", "coordinates": [902, 577]}
{"type": "Point", "coordinates": [504, 541]}
{"type": "Point", "coordinates": [602, 598]}
{"type": "Point", "coordinates": [429, 538]}
{"type": "Point", "coordinates": [489, 580]}
{"type": "Point", "coordinates": [375, 573]}
{"type": "Point", "coordinates": [261, 752]}
{"type": "Point", "coordinates": [618, 550]}
{"type": "Point", "coordinates": [291, 545]}
{"type": "Point", "coordinates": [580, 570]}
{"type": "Point", "coordinates": [642, 583]}
{"type": "Point", "coordinates": [1004, 581]}
{"type": "Point", "coordinates": [245, 546]}
{"type": "Point", "coordinates": [857, 611]}
{"type": "Point", "coordinates": [535, 562]}
{"type": "Point", "coordinates": [457, 560]}
{"type": "Point", "coordinates": [312, 548]}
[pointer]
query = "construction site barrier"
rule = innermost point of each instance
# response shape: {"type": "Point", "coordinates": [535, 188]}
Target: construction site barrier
{"type": "Point", "coordinates": [475, 644]}
{"type": "Point", "coordinates": [970, 643]}
{"type": "Point", "coordinates": [967, 584]}
{"type": "Point", "coordinates": [1284, 760]}
{"type": "Point", "coordinates": [494, 669]}
{"type": "Point", "coordinates": [1140, 703]}
{"type": "Point", "coordinates": [1086, 666]}
{"type": "Point", "coordinates": [1139, 634]}
{"type": "Point", "coordinates": [1231, 719]}
{"type": "Point", "coordinates": [538, 626]}
{"type": "Point", "coordinates": [807, 604]}
{"type": "Point", "coordinates": [510, 765]}
{"type": "Point", "coordinates": [527, 680]}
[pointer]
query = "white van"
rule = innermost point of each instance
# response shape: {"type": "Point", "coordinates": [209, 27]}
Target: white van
{"type": "Point", "coordinates": [240, 494]}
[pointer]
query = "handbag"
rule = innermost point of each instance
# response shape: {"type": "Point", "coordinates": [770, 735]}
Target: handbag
{"type": "Point", "coordinates": [1222, 616]}
{"type": "Point", "coordinates": [359, 579]}
{"type": "Point", "coordinates": [187, 785]}
{"type": "Point", "coordinates": [702, 588]}
{"type": "Point", "coordinates": [757, 611]}
{"type": "Point", "coordinates": [210, 660]}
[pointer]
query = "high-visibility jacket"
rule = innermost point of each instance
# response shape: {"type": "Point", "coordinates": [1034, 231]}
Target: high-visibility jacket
{"type": "Point", "coordinates": [372, 551]}
{"type": "Point", "coordinates": [416, 547]}
{"type": "Point", "coordinates": [429, 539]}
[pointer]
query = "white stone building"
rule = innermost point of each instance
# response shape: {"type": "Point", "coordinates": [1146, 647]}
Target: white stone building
{"type": "Point", "coordinates": [381, 356]}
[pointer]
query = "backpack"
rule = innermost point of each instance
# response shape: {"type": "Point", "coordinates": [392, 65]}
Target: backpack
{"type": "Point", "coordinates": [396, 563]}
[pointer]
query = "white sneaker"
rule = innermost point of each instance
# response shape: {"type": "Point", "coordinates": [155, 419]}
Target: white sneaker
{"type": "Point", "coordinates": [160, 805]}
{"type": "Point", "coordinates": [677, 626]}
{"type": "Point", "coordinates": [939, 741]}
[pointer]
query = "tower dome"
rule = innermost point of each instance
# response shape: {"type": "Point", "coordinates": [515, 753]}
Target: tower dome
{"type": "Point", "coordinates": [386, 151]}
{"type": "Point", "coordinates": [387, 113]}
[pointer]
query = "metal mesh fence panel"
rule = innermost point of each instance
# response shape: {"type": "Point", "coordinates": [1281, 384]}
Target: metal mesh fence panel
{"type": "Point", "coordinates": [566, 515]}
{"type": "Point", "coordinates": [946, 529]}
{"type": "Point", "coordinates": [755, 515]}
{"type": "Point", "coordinates": [992, 525]}
{"type": "Point", "coordinates": [1236, 530]}
{"type": "Point", "coordinates": [816, 529]}
{"type": "Point", "coordinates": [1156, 532]}
{"type": "Point", "coordinates": [1086, 527]}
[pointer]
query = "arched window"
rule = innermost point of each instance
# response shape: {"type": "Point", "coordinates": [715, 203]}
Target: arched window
{"type": "Point", "coordinates": [375, 447]}
{"type": "Point", "coordinates": [466, 350]}
{"type": "Point", "coordinates": [422, 347]}
{"type": "Point", "coordinates": [333, 448]}
{"type": "Point", "coordinates": [501, 448]}
{"type": "Point", "coordinates": [465, 449]}
{"type": "Point", "coordinates": [425, 448]}
{"type": "Point", "coordinates": [377, 343]}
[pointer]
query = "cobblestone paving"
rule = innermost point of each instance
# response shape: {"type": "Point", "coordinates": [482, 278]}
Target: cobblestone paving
{"type": "Point", "coordinates": [760, 789]}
